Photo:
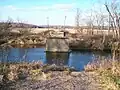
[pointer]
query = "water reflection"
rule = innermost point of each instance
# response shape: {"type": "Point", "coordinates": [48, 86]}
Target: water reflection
{"type": "Point", "coordinates": [76, 59]}
{"type": "Point", "coordinates": [57, 58]}
{"type": "Point", "coordinates": [79, 59]}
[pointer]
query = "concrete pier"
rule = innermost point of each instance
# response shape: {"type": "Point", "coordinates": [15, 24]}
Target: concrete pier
{"type": "Point", "coordinates": [57, 44]}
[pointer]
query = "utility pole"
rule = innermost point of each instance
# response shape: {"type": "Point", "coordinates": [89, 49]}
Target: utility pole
{"type": "Point", "coordinates": [65, 22]}
{"type": "Point", "coordinates": [77, 21]}
{"type": "Point", "coordinates": [48, 22]}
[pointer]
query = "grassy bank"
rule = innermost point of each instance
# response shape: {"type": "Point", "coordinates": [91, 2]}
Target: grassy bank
{"type": "Point", "coordinates": [105, 72]}
{"type": "Point", "coordinates": [33, 71]}
{"type": "Point", "coordinates": [96, 42]}
{"type": "Point", "coordinates": [109, 72]}
{"type": "Point", "coordinates": [34, 76]}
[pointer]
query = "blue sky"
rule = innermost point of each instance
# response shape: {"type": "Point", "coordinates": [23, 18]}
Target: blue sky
{"type": "Point", "coordinates": [36, 11]}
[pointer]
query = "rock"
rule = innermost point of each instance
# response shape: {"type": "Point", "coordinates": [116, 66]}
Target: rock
{"type": "Point", "coordinates": [30, 42]}
{"type": "Point", "coordinates": [57, 68]}
{"type": "Point", "coordinates": [37, 75]}
{"type": "Point", "coordinates": [41, 77]}
{"type": "Point", "coordinates": [43, 42]}
{"type": "Point", "coordinates": [11, 76]}
{"type": "Point", "coordinates": [75, 73]}
{"type": "Point", "coordinates": [22, 75]}
{"type": "Point", "coordinates": [35, 41]}
{"type": "Point", "coordinates": [21, 42]}
{"type": "Point", "coordinates": [28, 78]}
{"type": "Point", "coordinates": [1, 78]}
{"type": "Point", "coordinates": [10, 41]}
{"type": "Point", "coordinates": [13, 67]}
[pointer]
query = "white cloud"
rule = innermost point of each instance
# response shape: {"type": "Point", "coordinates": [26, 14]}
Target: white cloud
{"type": "Point", "coordinates": [37, 8]}
{"type": "Point", "coordinates": [8, 7]}
{"type": "Point", "coordinates": [64, 6]}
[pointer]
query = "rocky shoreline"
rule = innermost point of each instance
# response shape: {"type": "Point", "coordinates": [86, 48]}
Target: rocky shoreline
{"type": "Point", "coordinates": [58, 81]}
{"type": "Point", "coordinates": [36, 76]}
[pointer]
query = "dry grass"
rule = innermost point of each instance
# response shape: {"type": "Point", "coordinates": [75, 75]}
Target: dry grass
{"type": "Point", "coordinates": [20, 70]}
{"type": "Point", "coordinates": [109, 71]}
{"type": "Point", "coordinates": [31, 71]}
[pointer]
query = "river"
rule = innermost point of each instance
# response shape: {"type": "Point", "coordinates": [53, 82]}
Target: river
{"type": "Point", "coordinates": [76, 59]}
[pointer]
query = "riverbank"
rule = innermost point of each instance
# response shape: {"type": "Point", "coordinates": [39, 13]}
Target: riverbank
{"type": "Point", "coordinates": [59, 81]}
{"type": "Point", "coordinates": [76, 42]}
{"type": "Point", "coordinates": [48, 78]}
{"type": "Point", "coordinates": [99, 75]}
{"type": "Point", "coordinates": [109, 72]}
{"type": "Point", "coordinates": [34, 76]}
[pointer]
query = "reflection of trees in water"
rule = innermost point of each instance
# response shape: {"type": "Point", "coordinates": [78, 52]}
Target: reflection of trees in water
{"type": "Point", "coordinates": [91, 52]}
{"type": "Point", "coordinates": [94, 53]}
{"type": "Point", "coordinates": [101, 55]}
{"type": "Point", "coordinates": [25, 57]}
{"type": "Point", "coordinates": [57, 58]}
{"type": "Point", "coordinates": [4, 54]}
{"type": "Point", "coordinates": [22, 54]}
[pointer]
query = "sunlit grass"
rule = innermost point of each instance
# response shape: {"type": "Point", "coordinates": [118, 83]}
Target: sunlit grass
{"type": "Point", "coordinates": [109, 72]}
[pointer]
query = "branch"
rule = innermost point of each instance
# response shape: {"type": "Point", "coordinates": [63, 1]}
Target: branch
{"type": "Point", "coordinates": [110, 14]}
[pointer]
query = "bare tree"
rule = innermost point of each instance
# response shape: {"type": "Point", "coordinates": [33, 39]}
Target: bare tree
{"type": "Point", "coordinates": [90, 23]}
{"type": "Point", "coordinates": [100, 20]}
{"type": "Point", "coordinates": [23, 28]}
{"type": "Point", "coordinates": [6, 27]}
{"type": "Point", "coordinates": [115, 16]}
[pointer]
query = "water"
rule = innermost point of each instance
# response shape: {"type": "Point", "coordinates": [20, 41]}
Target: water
{"type": "Point", "coordinates": [76, 59]}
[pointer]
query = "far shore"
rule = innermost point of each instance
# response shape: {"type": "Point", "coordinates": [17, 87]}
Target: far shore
{"type": "Point", "coordinates": [70, 30]}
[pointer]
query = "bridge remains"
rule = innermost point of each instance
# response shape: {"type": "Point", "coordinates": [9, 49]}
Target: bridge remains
{"type": "Point", "coordinates": [57, 42]}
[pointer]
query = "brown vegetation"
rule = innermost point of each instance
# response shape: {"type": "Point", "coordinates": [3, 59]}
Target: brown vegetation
{"type": "Point", "coordinates": [109, 72]}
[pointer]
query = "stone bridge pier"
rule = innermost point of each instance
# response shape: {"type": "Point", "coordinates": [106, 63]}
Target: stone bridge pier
{"type": "Point", "coordinates": [57, 43]}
